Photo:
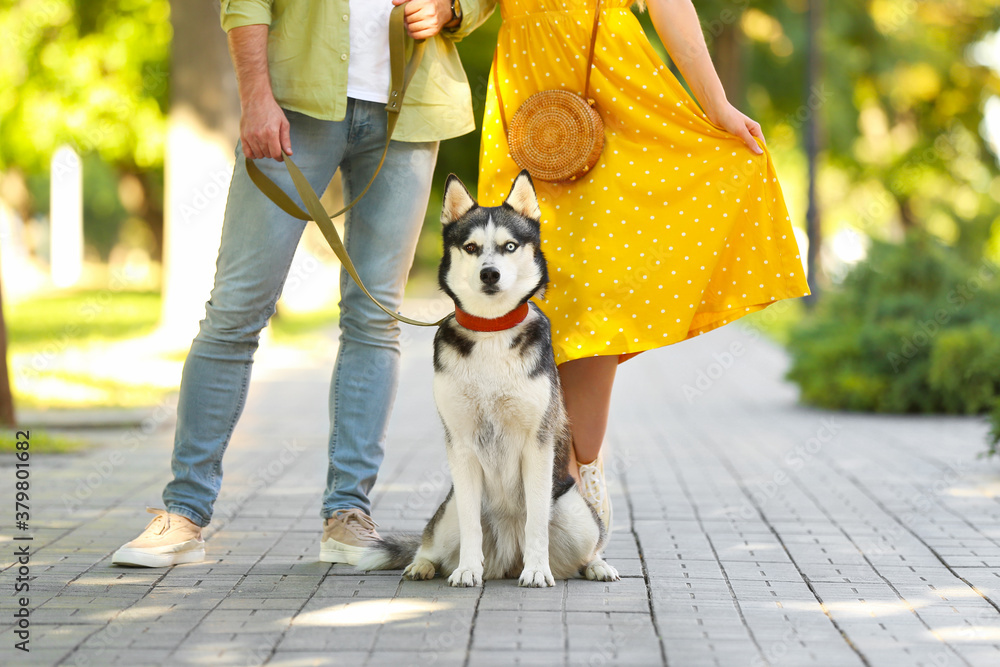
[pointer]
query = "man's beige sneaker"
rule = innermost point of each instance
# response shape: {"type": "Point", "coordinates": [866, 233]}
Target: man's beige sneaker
{"type": "Point", "coordinates": [595, 490]}
{"type": "Point", "coordinates": [345, 536]}
{"type": "Point", "coordinates": [169, 539]}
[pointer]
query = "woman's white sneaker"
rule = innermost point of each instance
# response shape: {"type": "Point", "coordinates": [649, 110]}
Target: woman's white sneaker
{"type": "Point", "coordinates": [169, 539]}
{"type": "Point", "coordinates": [595, 490]}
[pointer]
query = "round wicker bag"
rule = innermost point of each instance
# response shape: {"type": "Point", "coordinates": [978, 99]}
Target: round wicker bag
{"type": "Point", "coordinates": [556, 135]}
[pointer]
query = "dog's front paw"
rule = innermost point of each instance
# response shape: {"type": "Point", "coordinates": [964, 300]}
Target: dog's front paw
{"type": "Point", "coordinates": [598, 570]}
{"type": "Point", "coordinates": [419, 569]}
{"type": "Point", "coordinates": [536, 578]}
{"type": "Point", "coordinates": [466, 577]}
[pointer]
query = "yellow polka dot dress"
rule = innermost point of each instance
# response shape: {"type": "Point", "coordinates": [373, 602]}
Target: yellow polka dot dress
{"type": "Point", "coordinates": [677, 230]}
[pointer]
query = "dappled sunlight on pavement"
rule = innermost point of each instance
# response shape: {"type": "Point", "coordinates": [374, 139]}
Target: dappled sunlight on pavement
{"type": "Point", "coordinates": [749, 530]}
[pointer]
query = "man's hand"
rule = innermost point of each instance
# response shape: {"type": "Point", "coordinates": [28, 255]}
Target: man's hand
{"type": "Point", "coordinates": [264, 129]}
{"type": "Point", "coordinates": [425, 18]}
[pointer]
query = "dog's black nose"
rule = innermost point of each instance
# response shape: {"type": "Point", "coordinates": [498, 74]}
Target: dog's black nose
{"type": "Point", "coordinates": [489, 275]}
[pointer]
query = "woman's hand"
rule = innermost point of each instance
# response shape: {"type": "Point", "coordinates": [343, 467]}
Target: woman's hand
{"type": "Point", "coordinates": [736, 122]}
{"type": "Point", "coordinates": [677, 24]}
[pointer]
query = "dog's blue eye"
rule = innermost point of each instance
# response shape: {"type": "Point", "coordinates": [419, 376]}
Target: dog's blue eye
{"type": "Point", "coordinates": [510, 247]}
{"type": "Point", "coordinates": [471, 248]}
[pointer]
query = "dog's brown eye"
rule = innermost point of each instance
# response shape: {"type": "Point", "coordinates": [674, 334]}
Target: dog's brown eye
{"type": "Point", "coordinates": [471, 248]}
{"type": "Point", "coordinates": [510, 247]}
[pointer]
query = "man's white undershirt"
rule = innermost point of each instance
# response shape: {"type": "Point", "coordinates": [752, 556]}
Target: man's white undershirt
{"type": "Point", "coordinates": [368, 67]}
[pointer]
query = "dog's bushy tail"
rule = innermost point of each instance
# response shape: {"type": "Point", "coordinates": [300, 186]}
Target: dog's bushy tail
{"type": "Point", "coordinates": [390, 553]}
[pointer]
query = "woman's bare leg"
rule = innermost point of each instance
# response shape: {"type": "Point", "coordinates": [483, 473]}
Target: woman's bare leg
{"type": "Point", "coordinates": [586, 385]}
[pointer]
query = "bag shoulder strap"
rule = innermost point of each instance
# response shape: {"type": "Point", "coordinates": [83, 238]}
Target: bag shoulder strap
{"type": "Point", "coordinates": [586, 85]}
{"type": "Point", "coordinates": [402, 72]}
{"type": "Point", "coordinates": [593, 46]}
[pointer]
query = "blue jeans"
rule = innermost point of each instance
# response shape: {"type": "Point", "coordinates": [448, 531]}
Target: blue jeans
{"type": "Point", "coordinates": [258, 241]}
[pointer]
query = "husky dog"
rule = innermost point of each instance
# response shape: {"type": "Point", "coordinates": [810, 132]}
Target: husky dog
{"type": "Point", "coordinates": [513, 507]}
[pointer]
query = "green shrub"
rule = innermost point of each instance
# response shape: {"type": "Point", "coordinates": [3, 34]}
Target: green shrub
{"type": "Point", "coordinates": [995, 430]}
{"type": "Point", "coordinates": [965, 368]}
{"type": "Point", "coordinates": [913, 329]}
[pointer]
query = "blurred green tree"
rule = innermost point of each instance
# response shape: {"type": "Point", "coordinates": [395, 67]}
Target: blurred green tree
{"type": "Point", "coordinates": [900, 103]}
{"type": "Point", "coordinates": [899, 106]}
{"type": "Point", "coordinates": [7, 417]}
{"type": "Point", "coordinates": [912, 124]}
{"type": "Point", "coordinates": [91, 74]}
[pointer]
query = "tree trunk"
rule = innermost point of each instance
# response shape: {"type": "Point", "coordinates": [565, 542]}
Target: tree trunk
{"type": "Point", "coordinates": [151, 209]}
{"type": "Point", "coordinates": [6, 397]}
{"type": "Point", "coordinates": [202, 129]}
{"type": "Point", "coordinates": [906, 217]}
{"type": "Point", "coordinates": [728, 53]}
{"type": "Point", "coordinates": [811, 131]}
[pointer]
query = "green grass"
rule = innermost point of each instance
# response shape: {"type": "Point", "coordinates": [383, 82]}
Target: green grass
{"type": "Point", "coordinates": [64, 322]}
{"type": "Point", "coordinates": [289, 327]}
{"type": "Point", "coordinates": [94, 320]}
{"type": "Point", "coordinates": [67, 390]}
{"type": "Point", "coordinates": [80, 317]}
{"type": "Point", "coordinates": [40, 442]}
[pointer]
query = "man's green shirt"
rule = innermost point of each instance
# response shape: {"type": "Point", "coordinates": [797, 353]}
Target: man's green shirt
{"type": "Point", "coordinates": [308, 50]}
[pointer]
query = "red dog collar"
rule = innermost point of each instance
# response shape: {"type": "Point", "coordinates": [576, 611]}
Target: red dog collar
{"type": "Point", "coordinates": [508, 321]}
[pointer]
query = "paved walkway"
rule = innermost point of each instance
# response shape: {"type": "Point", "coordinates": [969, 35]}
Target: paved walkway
{"type": "Point", "coordinates": [749, 531]}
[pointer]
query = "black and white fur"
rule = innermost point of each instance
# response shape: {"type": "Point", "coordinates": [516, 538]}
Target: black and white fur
{"type": "Point", "coordinates": [513, 507]}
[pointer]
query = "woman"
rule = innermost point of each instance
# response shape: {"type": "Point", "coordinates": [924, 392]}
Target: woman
{"type": "Point", "coordinates": [681, 226]}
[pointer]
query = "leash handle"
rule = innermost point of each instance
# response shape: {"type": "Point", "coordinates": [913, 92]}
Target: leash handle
{"type": "Point", "coordinates": [402, 72]}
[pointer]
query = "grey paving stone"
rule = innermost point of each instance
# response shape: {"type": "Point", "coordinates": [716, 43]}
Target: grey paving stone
{"type": "Point", "coordinates": [632, 657]}
{"type": "Point", "coordinates": [887, 523]}
{"type": "Point", "coordinates": [760, 570]}
{"type": "Point", "coordinates": [290, 658]}
{"type": "Point", "coordinates": [141, 658]}
{"type": "Point", "coordinates": [677, 568]}
{"type": "Point", "coordinates": [507, 596]}
{"type": "Point", "coordinates": [841, 573]}
{"type": "Point", "coordinates": [40, 655]}
{"type": "Point", "coordinates": [627, 567]}
{"type": "Point", "coordinates": [285, 604]}
{"type": "Point", "coordinates": [507, 657]}
{"type": "Point", "coordinates": [700, 651]}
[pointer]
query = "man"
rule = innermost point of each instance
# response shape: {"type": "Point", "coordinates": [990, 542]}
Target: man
{"type": "Point", "coordinates": [313, 80]}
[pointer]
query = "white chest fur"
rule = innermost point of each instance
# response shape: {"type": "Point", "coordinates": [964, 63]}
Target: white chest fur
{"type": "Point", "coordinates": [488, 398]}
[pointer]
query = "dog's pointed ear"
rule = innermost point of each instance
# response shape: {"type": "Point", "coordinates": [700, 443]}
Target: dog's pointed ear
{"type": "Point", "coordinates": [457, 200]}
{"type": "Point", "coordinates": [522, 197]}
